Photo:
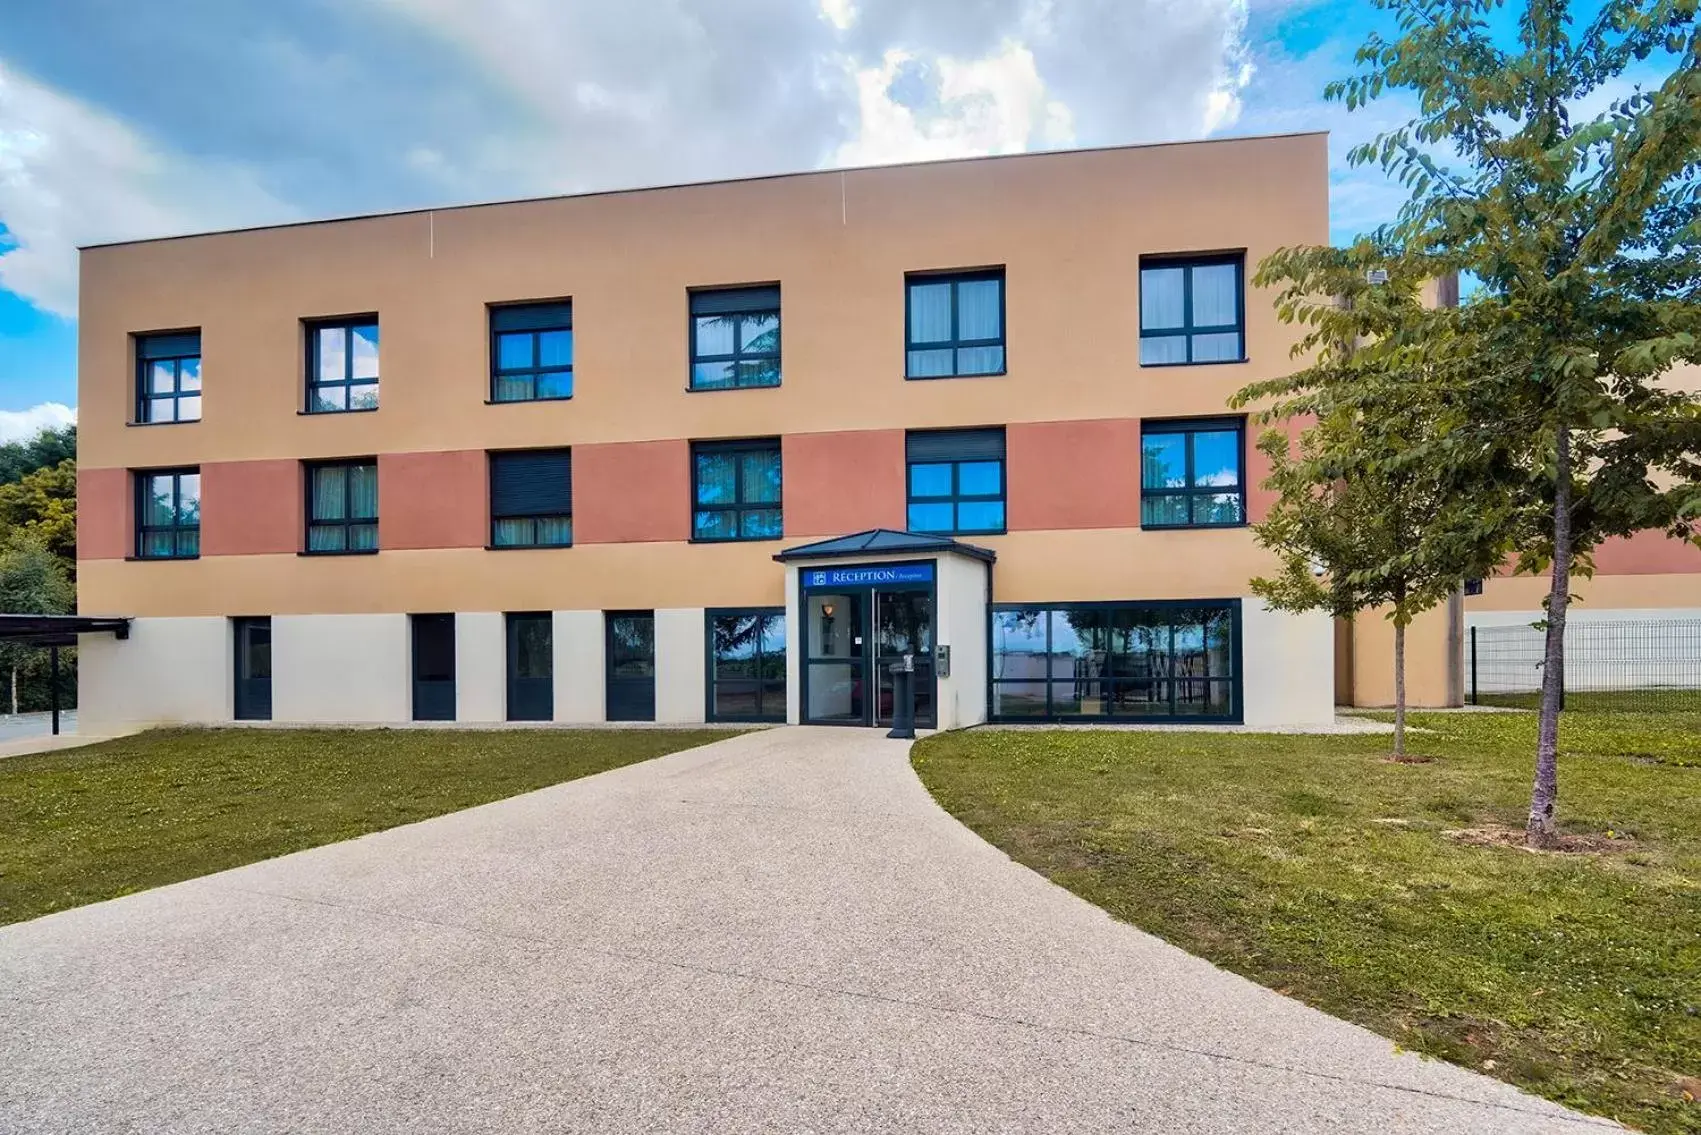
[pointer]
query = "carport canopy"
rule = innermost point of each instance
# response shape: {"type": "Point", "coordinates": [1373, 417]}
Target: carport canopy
{"type": "Point", "coordinates": [58, 630]}
{"type": "Point", "coordinates": [55, 631]}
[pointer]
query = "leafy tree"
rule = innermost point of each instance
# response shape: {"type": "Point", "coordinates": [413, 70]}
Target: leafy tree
{"type": "Point", "coordinates": [1386, 498]}
{"type": "Point", "coordinates": [1584, 235]}
{"type": "Point", "coordinates": [32, 582]}
{"type": "Point", "coordinates": [43, 506]}
{"type": "Point", "coordinates": [18, 459]}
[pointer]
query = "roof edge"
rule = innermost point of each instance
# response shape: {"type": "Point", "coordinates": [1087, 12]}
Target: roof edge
{"type": "Point", "coordinates": [651, 188]}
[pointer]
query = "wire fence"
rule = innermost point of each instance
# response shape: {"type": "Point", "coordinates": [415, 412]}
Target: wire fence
{"type": "Point", "coordinates": [1629, 665]}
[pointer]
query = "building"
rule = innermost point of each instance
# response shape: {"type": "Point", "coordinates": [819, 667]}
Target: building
{"type": "Point", "coordinates": [708, 452]}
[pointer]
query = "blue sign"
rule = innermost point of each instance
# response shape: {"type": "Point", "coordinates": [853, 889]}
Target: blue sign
{"type": "Point", "coordinates": [864, 576]}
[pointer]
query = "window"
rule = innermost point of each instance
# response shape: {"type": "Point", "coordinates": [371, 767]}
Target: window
{"type": "Point", "coordinates": [747, 664]}
{"type": "Point", "coordinates": [342, 365]}
{"type": "Point", "coordinates": [531, 499]}
{"type": "Point", "coordinates": [735, 338]}
{"type": "Point", "coordinates": [168, 515]}
{"type": "Point", "coordinates": [168, 377]}
{"type": "Point", "coordinates": [1190, 474]}
{"type": "Point", "coordinates": [531, 352]}
{"type": "Point", "coordinates": [955, 324]}
{"type": "Point", "coordinates": [1178, 661]}
{"type": "Point", "coordinates": [1192, 310]}
{"type": "Point", "coordinates": [735, 490]}
{"type": "Point", "coordinates": [342, 507]}
{"type": "Point", "coordinates": [956, 481]}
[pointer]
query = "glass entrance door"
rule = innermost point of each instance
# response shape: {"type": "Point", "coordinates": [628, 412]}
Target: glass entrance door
{"type": "Point", "coordinates": [836, 679]}
{"type": "Point", "coordinates": [631, 678]}
{"type": "Point", "coordinates": [903, 624]}
{"type": "Point", "coordinates": [253, 669]}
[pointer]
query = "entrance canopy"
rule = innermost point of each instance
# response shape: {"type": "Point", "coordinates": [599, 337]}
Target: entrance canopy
{"type": "Point", "coordinates": [884, 542]}
{"type": "Point", "coordinates": [859, 606]}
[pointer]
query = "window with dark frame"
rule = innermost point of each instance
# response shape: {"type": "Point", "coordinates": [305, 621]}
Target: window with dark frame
{"type": "Point", "coordinates": [342, 507]}
{"type": "Point", "coordinates": [168, 377]}
{"type": "Point", "coordinates": [531, 499]}
{"type": "Point", "coordinates": [531, 352]}
{"type": "Point", "coordinates": [1192, 473]}
{"type": "Point", "coordinates": [168, 514]}
{"type": "Point", "coordinates": [747, 664]}
{"type": "Point", "coordinates": [1192, 309]}
{"type": "Point", "coordinates": [735, 338]}
{"type": "Point", "coordinates": [955, 481]}
{"type": "Point", "coordinates": [736, 490]}
{"type": "Point", "coordinates": [954, 324]}
{"type": "Point", "coordinates": [1133, 660]}
{"type": "Point", "coordinates": [342, 365]}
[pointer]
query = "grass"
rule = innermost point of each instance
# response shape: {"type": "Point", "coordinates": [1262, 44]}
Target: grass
{"type": "Point", "coordinates": [1645, 700]}
{"type": "Point", "coordinates": [1319, 868]}
{"type": "Point", "coordinates": [97, 822]}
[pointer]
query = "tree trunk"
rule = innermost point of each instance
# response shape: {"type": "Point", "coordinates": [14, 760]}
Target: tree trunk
{"type": "Point", "coordinates": [14, 691]}
{"type": "Point", "coordinates": [1399, 691]}
{"type": "Point", "coordinates": [1540, 830]}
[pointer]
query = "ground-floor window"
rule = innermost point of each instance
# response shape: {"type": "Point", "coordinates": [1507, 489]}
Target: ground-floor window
{"type": "Point", "coordinates": [1117, 660]}
{"type": "Point", "coordinates": [747, 664]}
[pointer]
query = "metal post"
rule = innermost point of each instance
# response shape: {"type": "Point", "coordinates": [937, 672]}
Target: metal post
{"type": "Point", "coordinates": [53, 667]}
{"type": "Point", "coordinates": [1475, 700]}
{"type": "Point", "coordinates": [903, 699]}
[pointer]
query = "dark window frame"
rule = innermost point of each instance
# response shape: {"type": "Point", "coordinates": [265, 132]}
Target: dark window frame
{"type": "Point", "coordinates": [177, 529]}
{"type": "Point", "coordinates": [1186, 332]}
{"type": "Point", "coordinates": [498, 372]}
{"type": "Point", "coordinates": [710, 615]}
{"type": "Point", "coordinates": [346, 522]}
{"type": "Point", "coordinates": [492, 458]}
{"type": "Point", "coordinates": [739, 505]}
{"type": "Point", "coordinates": [957, 497]}
{"type": "Point", "coordinates": [1236, 679]}
{"type": "Point", "coordinates": [954, 277]}
{"type": "Point", "coordinates": [739, 354]}
{"type": "Point", "coordinates": [347, 324]}
{"type": "Point", "coordinates": [1188, 427]}
{"type": "Point", "coordinates": [145, 363]}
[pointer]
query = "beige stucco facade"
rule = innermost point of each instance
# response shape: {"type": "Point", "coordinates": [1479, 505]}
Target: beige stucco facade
{"type": "Point", "coordinates": [1068, 231]}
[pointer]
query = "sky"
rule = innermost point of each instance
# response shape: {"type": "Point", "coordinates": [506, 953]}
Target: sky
{"type": "Point", "coordinates": [121, 120]}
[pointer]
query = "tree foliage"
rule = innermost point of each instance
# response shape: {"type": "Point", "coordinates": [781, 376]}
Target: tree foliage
{"type": "Point", "coordinates": [1389, 496]}
{"type": "Point", "coordinates": [48, 448]}
{"type": "Point", "coordinates": [43, 507]}
{"type": "Point", "coordinates": [1584, 235]}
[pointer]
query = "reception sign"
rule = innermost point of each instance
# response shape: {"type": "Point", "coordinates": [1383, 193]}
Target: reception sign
{"type": "Point", "coordinates": [871, 576]}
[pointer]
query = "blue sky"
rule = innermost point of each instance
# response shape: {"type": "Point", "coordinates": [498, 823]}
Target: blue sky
{"type": "Point", "coordinates": [120, 121]}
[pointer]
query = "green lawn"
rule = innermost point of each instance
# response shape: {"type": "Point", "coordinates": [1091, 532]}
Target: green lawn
{"type": "Point", "coordinates": [1316, 867]}
{"type": "Point", "coordinates": [122, 816]}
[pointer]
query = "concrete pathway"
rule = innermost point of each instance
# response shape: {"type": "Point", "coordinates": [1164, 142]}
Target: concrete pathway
{"type": "Point", "coordinates": [781, 932]}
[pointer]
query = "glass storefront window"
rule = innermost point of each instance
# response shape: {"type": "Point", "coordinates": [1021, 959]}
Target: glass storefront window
{"type": "Point", "coordinates": [1115, 660]}
{"type": "Point", "coordinates": [747, 673]}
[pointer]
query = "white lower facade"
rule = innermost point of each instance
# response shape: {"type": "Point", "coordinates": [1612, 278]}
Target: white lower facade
{"type": "Point", "coordinates": [357, 669]}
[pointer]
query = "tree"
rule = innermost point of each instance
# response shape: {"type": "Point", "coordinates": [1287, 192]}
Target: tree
{"type": "Point", "coordinates": [18, 459]}
{"type": "Point", "coordinates": [1584, 237]}
{"type": "Point", "coordinates": [1387, 498]}
{"type": "Point", "coordinates": [32, 582]}
{"type": "Point", "coordinates": [43, 506]}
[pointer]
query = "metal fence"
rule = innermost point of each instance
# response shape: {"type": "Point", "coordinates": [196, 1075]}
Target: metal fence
{"type": "Point", "coordinates": [1651, 665]}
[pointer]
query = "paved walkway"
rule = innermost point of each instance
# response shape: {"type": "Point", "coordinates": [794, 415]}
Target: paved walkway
{"type": "Point", "coordinates": [779, 933]}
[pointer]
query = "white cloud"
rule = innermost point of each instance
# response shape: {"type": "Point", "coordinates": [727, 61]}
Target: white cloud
{"type": "Point", "coordinates": [367, 105]}
{"type": "Point", "coordinates": [70, 175]}
{"type": "Point", "coordinates": [995, 105]}
{"type": "Point", "coordinates": [19, 425]}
